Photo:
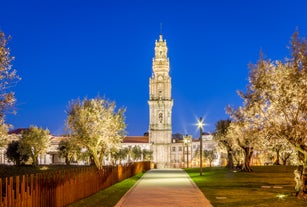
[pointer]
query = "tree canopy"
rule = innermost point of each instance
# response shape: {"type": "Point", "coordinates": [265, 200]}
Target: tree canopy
{"type": "Point", "coordinates": [96, 125]}
{"type": "Point", "coordinates": [275, 103]}
{"type": "Point", "coordinates": [34, 142]}
{"type": "Point", "coordinates": [8, 78]}
{"type": "Point", "coordinates": [220, 135]}
{"type": "Point", "coordinates": [69, 150]}
{"type": "Point", "coordinates": [14, 155]}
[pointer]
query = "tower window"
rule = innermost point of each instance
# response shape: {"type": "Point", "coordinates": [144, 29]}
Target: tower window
{"type": "Point", "coordinates": [160, 117]}
{"type": "Point", "coordinates": [160, 95]}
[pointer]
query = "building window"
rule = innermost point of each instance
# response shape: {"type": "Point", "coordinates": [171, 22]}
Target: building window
{"type": "Point", "coordinates": [180, 149]}
{"type": "Point", "coordinates": [173, 149]}
{"type": "Point", "coordinates": [173, 159]}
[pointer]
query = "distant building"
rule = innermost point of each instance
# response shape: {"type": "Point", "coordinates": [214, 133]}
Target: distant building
{"type": "Point", "coordinates": [51, 157]}
{"type": "Point", "coordinates": [186, 153]}
{"type": "Point", "coordinates": [141, 141]}
{"type": "Point", "coordinates": [180, 152]}
{"type": "Point", "coordinates": [3, 159]}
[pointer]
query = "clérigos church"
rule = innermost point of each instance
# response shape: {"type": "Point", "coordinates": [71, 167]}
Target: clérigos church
{"type": "Point", "coordinates": [167, 150]}
{"type": "Point", "coordinates": [160, 106]}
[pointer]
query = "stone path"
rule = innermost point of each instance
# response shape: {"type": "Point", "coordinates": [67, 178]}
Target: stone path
{"type": "Point", "coordinates": [164, 187]}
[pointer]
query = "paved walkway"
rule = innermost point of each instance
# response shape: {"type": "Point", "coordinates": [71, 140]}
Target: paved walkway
{"type": "Point", "coordinates": [164, 187]}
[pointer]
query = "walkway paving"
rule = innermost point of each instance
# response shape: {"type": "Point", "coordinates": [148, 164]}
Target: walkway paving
{"type": "Point", "coordinates": [164, 187]}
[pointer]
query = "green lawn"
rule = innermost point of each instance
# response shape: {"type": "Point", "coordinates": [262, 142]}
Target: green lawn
{"type": "Point", "coordinates": [267, 186]}
{"type": "Point", "coordinates": [110, 196]}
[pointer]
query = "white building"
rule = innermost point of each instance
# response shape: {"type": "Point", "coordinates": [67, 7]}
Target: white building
{"type": "Point", "coordinates": [51, 157]}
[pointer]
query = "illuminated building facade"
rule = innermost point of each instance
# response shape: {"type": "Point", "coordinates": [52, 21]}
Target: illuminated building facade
{"type": "Point", "coordinates": [160, 106]}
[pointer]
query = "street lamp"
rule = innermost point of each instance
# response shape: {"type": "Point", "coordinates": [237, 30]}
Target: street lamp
{"type": "Point", "coordinates": [200, 125]}
{"type": "Point", "coordinates": [187, 140]}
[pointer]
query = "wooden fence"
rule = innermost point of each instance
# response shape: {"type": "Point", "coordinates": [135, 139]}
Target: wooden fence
{"type": "Point", "coordinates": [60, 188]}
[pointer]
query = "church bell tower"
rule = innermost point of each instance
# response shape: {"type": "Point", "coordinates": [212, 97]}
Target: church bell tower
{"type": "Point", "coordinates": [160, 106]}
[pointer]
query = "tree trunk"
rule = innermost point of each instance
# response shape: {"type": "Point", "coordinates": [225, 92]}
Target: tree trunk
{"type": "Point", "coordinates": [97, 162]}
{"type": "Point", "coordinates": [285, 157]}
{"type": "Point", "coordinates": [17, 162]}
{"type": "Point", "coordinates": [67, 160]}
{"type": "Point", "coordinates": [300, 177]}
{"type": "Point", "coordinates": [248, 152]}
{"type": "Point", "coordinates": [35, 161]}
{"type": "Point", "coordinates": [229, 159]}
{"type": "Point", "coordinates": [277, 156]}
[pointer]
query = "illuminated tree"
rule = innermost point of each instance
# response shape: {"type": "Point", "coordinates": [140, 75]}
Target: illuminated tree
{"type": "Point", "coordinates": [281, 147]}
{"type": "Point", "coordinates": [96, 125]}
{"type": "Point", "coordinates": [147, 154]}
{"type": "Point", "coordinates": [4, 128]}
{"type": "Point", "coordinates": [244, 133]}
{"type": "Point", "coordinates": [8, 78]}
{"type": "Point", "coordinates": [136, 153]}
{"type": "Point", "coordinates": [68, 150]}
{"type": "Point", "coordinates": [288, 157]}
{"type": "Point", "coordinates": [119, 155]}
{"type": "Point", "coordinates": [277, 95]}
{"type": "Point", "coordinates": [210, 155]}
{"type": "Point", "coordinates": [238, 158]}
{"type": "Point", "coordinates": [34, 142]}
{"type": "Point", "coordinates": [14, 155]}
{"type": "Point", "coordinates": [220, 135]}
{"type": "Point", "coordinates": [196, 155]}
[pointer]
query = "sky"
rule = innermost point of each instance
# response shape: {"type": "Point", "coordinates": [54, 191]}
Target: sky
{"type": "Point", "coordinates": [69, 49]}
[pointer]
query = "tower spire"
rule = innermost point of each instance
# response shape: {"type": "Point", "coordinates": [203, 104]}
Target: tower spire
{"type": "Point", "coordinates": [161, 38]}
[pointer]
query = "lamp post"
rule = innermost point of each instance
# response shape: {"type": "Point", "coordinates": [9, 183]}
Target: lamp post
{"type": "Point", "coordinates": [187, 140]}
{"type": "Point", "coordinates": [200, 125]}
{"type": "Point", "coordinates": [187, 153]}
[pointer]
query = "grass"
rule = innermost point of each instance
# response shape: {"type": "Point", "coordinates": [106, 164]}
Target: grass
{"type": "Point", "coordinates": [271, 186]}
{"type": "Point", "coordinates": [110, 196]}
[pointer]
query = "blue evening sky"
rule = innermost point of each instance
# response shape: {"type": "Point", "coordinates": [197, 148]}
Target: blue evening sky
{"type": "Point", "coordinates": [66, 49]}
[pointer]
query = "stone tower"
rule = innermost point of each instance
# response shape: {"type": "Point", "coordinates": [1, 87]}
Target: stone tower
{"type": "Point", "coordinates": [160, 106]}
